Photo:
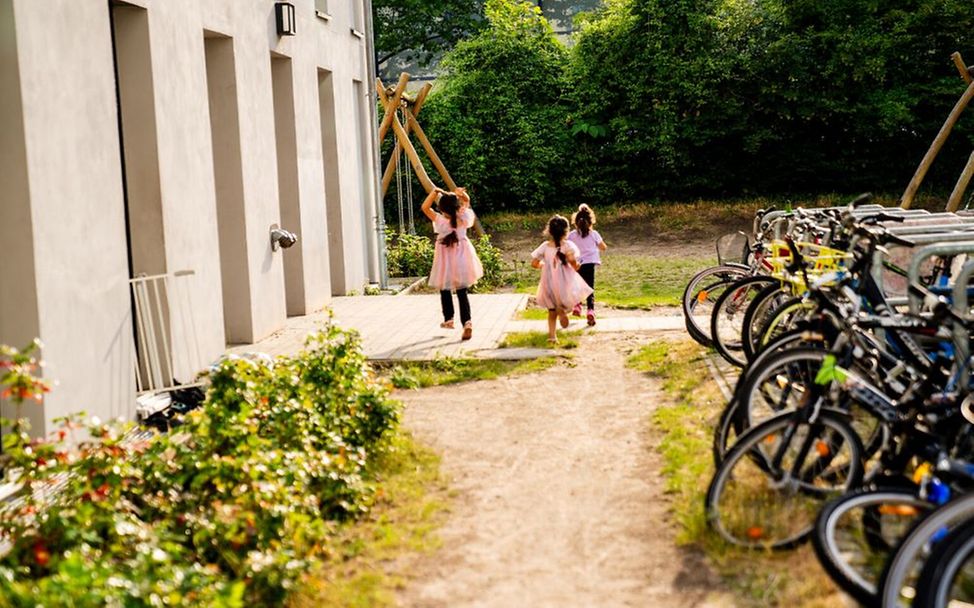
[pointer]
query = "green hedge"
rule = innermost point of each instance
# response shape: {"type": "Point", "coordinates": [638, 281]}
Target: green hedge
{"type": "Point", "coordinates": [231, 508]}
{"type": "Point", "coordinates": [701, 97]}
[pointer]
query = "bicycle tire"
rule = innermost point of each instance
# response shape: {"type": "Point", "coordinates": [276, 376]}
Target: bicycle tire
{"type": "Point", "coordinates": [757, 314]}
{"type": "Point", "coordinates": [783, 320]}
{"type": "Point", "coordinates": [838, 557]}
{"type": "Point", "coordinates": [904, 568]}
{"type": "Point", "coordinates": [728, 313]}
{"type": "Point", "coordinates": [827, 429]}
{"type": "Point", "coordinates": [708, 282]}
{"type": "Point", "coordinates": [941, 568]}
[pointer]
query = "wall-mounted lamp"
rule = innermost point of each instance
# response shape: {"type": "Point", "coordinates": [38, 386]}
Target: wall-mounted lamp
{"type": "Point", "coordinates": [282, 239]}
{"type": "Point", "coordinates": [286, 23]}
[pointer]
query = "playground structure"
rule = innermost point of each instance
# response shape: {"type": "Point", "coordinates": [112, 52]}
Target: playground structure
{"type": "Point", "coordinates": [401, 112]}
{"type": "Point", "coordinates": [957, 196]}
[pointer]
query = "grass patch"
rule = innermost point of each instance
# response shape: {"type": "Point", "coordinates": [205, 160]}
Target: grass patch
{"type": "Point", "coordinates": [533, 314]}
{"type": "Point", "coordinates": [567, 340]}
{"type": "Point", "coordinates": [642, 281]}
{"type": "Point", "coordinates": [631, 281]}
{"type": "Point", "coordinates": [424, 374]}
{"type": "Point", "coordinates": [686, 423]}
{"type": "Point", "coordinates": [410, 502]}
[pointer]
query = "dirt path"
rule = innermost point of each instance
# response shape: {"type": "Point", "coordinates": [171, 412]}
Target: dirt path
{"type": "Point", "coordinates": [560, 500]}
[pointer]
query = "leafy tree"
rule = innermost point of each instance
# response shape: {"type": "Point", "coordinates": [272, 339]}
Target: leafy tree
{"type": "Point", "coordinates": [498, 114]}
{"type": "Point", "coordinates": [421, 29]}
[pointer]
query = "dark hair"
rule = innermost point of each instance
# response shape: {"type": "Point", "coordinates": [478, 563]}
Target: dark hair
{"type": "Point", "coordinates": [449, 206]}
{"type": "Point", "coordinates": [557, 229]}
{"type": "Point", "coordinates": [584, 219]}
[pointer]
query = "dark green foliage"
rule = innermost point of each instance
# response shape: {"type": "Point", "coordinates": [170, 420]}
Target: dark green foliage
{"type": "Point", "coordinates": [702, 97]}
{"type": "Point", "coordinates": [498, 115]}
{"type": "Point", "coordinates": [419, 29]}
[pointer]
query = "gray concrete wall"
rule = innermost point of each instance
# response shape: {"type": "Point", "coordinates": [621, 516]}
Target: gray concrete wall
{"type": "Point", "coordinates": [63, 211]}
{"type": "Point", "coordinates": [74, 192]}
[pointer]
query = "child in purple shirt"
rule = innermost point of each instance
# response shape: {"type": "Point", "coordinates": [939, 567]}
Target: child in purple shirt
{"type": "Point", "coordinates": [590, 246]}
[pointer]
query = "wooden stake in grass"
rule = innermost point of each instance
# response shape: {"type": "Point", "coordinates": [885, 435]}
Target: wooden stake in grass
{"type": "Point", "coordinates": [938, 143]}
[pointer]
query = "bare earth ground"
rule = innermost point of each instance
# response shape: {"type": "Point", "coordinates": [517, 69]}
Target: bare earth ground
{"type": "Point", "coordinates": [559, 496]}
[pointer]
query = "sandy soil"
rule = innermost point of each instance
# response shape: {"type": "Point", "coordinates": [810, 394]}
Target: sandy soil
{"type": "Point", "coordinates": [559, 496]}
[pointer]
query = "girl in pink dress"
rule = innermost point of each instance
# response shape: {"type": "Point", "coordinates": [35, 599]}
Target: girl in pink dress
{"type": "Point", "coordinates": [590, 246]}
{"type": "Point", "coordinates": [455, 262]}
{"type": "Point", "coordinates": [561, 287]}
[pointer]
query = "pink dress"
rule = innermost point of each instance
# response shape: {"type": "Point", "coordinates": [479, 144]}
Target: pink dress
{"type": "Point", "coordinates": [560, 286]}
{"type": "Point", "coordinates": [456, 267]}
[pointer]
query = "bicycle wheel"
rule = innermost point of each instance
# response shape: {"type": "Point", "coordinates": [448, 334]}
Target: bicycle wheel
{"type": "Point", "coordinates": [728, 316]}
{"type": "Point", "coordinates": [780, 384]}
{"type": "Point", "coordinates": [762, 307]}
{"type": "Point", "coordinates": [855, 535]}
{"type": "Point", "coordinates": [947, 578]}
{"type": "Point", "coordinates": [727, 428]}
{"type": "Point", "coordinates": [772, 483]}
{"type": "Point", "coordinates": [701, 293]}
{"type": "Point", "coordinates": [724, 432]}
{"type": "Point", "coordinates": [786, 317]}
{"type": "Point", "coordinates": [898, 583]}
{"type": "Point", "coordinates": [777, 385]}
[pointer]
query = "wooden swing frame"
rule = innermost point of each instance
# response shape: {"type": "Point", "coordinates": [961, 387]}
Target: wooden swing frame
{"type": "Point", "coordinates": [394, 99]}
{"type": "Point", "coordinates": [957, 196]}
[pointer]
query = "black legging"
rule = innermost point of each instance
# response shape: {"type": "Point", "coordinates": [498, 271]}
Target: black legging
{"type": "Point", "coordinates": [446, 300]}
{"type": "Point", "coordinates": [588, 274]}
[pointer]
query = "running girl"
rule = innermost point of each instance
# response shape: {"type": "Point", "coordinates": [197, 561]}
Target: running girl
{"type": "Point", "coordinates": [455, 262]}
{"type": "Point", "coordinates": [561, 286]}
{"type": "Point", "coordinates": [590, 245]}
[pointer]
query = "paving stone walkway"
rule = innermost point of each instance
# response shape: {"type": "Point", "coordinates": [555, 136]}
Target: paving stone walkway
{"type": "Point", "coordinates": [396, 328]}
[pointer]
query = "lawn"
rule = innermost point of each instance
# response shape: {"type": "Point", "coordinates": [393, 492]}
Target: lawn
{"type": "Point", "coordinates": [440, 372]}
{"type": "Point", "coordinates": [685, 423]}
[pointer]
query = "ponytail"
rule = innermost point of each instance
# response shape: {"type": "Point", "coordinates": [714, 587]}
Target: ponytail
{"type": "Point", "coordinates": [584, 219]}
{"type": "Point", "coordinates": [557, 229]}
{"type": "Point", "coordinates": [449, 206]}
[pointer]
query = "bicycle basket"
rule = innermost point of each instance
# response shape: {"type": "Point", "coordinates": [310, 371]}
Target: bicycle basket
{"type": "Point", "coordinates": [733, 248]}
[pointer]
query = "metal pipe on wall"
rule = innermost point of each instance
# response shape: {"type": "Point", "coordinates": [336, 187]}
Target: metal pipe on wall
{"type": "Point", "coordinates": [380, 214]}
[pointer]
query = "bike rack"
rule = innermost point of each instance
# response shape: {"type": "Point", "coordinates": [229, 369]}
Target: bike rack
{"type": "Point", "coordinates": [962, 335]}
{"type": "Point", "coordinates": [941, 249]}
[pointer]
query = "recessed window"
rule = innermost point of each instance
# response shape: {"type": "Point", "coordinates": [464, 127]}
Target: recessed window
{"type": "Point", "coordinates": [358, 17]}
{"type": "Point", "coordinates": [321, 9]}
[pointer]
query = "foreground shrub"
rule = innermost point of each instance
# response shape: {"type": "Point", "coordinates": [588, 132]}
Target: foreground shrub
{"type": "Point", "coordinates": [409, 255]}
{"type": "Point", "coordinates": [231, 508]}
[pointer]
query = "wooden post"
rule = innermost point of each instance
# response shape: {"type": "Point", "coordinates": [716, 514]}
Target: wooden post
{"type": "Point", "coordinates": [957, 196]}
{"type": "Point", "coordinates": [397, 150]}
{"type": "Point", "coordinates": [392, 105]}
{"type": "Point", "coordinates": [907, 201]}
{"type": "Point", "coordinates": [434, 157]}
{"type": "Point", "coordinates": [407, 145]}
{"type": "Point", "coordinates": [965, 72]}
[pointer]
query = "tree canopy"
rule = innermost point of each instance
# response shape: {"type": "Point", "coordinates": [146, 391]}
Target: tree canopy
{"type": "Point", "coordinates": [421, 29]}
{"type": "Point", "coordinates": [702, 97]}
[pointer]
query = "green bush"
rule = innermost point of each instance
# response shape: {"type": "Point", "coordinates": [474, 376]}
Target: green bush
{"type": "Point", "coordinates": [701, 97]}
{"type": "Point", "coordinates": [493, 263]}
{"type": "Point", "coordinates": [409, 255]}
{"type": "Point", "coordinates": [497, 115]}
{"type": "Point", "coordinates": [231, 508]}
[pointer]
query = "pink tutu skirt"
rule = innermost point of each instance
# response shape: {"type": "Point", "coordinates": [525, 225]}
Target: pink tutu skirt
{"type": "Point", "coordinates": [456, 267]}
{"type": "Point", "coordinates": [561, 287]}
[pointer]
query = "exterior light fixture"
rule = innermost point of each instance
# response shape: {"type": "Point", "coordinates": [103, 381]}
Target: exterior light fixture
{"type": "Point", "coordinates": [286, 23]}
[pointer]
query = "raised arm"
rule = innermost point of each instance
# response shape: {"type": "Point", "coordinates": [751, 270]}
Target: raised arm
{"type": "Point", "coordinates": [428, 203]}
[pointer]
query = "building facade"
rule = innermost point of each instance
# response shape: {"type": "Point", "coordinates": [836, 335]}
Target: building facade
{"type": "Point", "coordinates": [167, 138]}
